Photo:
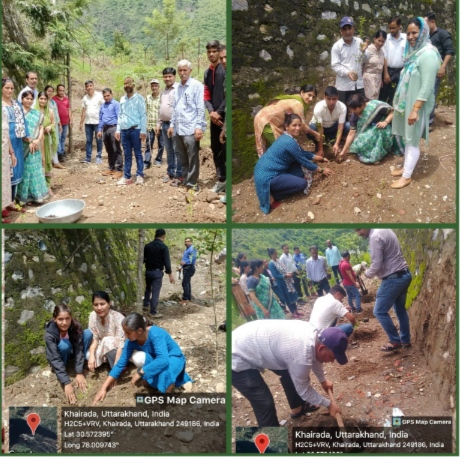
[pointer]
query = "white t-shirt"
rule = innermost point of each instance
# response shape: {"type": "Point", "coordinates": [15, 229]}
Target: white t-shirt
{"type": "Point", "coordinates": [93, 106]}
{"type": "Point", "coordinates": [394, 50]}
{"type": "Point", "coordinates": [322, 114]}
{"type": "Point", "coordinates": [325, 311]}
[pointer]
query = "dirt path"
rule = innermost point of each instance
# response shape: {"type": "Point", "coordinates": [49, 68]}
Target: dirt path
{"type": "Point", "coordinates": [106, 202]}
{"type": "Point", "coordinates": [358, 192]}
{"type": "Point", "coordinates": [366, 389]}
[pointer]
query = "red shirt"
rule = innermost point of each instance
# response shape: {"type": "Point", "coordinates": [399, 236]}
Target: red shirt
{"type": "Point", "coordinates": [63, 109]}
{"type": "Point", "coordinates": [345, 266]}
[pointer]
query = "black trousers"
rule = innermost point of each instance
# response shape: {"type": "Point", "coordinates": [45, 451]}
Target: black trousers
{"type": "Point", "coordinates": [336, 271]}
{"type": "Point", "coordinates": [344, 95]}
{"type": "Point", "coordinates": [252, 386]}
{"type": "Point", "coordinates": [188, 273]}
{"type": "Point", "coordinates": [298, 287]}
{"type": "Point", "coordinates": [153, 288]}
{"type": "Point", "coordinates": [113, 149]}
{"type": "Point", "coordinates": [218, 152]}
{"type": "Point", "coordinates": [323, 285]}
{"type": "Point", "coordinates": [386, 94]}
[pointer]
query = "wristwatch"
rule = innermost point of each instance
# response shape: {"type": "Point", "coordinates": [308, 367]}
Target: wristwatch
{"type": "Point", "coordinates": [139, 371]}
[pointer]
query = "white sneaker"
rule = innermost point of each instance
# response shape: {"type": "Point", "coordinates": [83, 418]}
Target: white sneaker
{"type": "Point", "coordinates": [139, 180]}
{"type": "Point", "coordinates": [219, 187]}
{"type": "Point", "coordinates": [124, 181]}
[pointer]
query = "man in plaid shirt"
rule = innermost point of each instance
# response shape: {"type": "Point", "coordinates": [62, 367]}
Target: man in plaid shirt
{"type": "Point", "coordinates": [153, 103]}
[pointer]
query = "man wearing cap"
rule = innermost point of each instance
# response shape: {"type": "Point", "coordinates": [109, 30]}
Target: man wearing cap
{"type": "Point", "coordinates": [346, 61]}
{"type": "Point", "coordinates": [388, 264]}
{"type": "Point", "coordinates": [153, 103]}
{"type": "Point", "coordinates": [328, 308]}
{"type": "Point", "coordinates": [290, 349]}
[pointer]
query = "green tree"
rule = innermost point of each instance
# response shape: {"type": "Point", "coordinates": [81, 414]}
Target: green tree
{"type": "Point", "coordinates": [167, 27]}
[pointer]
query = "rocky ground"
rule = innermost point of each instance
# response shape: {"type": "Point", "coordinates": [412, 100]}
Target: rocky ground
{"type": "Point", "coordinates": [152, 202]}
{"type": "Point", "coordinates": [367, 388]}
{"type": "Point", "coordinates": [192, 327]}
{"type": "Point", "coordinates": [360, 193]}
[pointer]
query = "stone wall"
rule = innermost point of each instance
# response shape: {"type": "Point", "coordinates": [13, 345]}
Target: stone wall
{"type": "Point", "coordinates": [431, 302]}
{"type": "Point", "coordinates": [44, 268]}
{"type": "Point", "coordinates": [280, 45]}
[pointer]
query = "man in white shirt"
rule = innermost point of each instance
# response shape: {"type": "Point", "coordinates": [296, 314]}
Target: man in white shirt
{"type": "Point", "coordinates": [289, 263]}
{"type": "Point", "coordinates": [91, 106]}
{"type": "Point", "coordinates": [328, 308]}
{"type": "Point", "coordinates": [346, 61]}
{"type": "Point", "coordinates": [393, 59]}
{"type": "Point", "coordinates": [31, 81]}
{"type": "Point", "coordinates": [317, 271]}
{"type": "Point", "coordinates": [290, 349]}
{"type": "Point", "coordinates": [330, 114]}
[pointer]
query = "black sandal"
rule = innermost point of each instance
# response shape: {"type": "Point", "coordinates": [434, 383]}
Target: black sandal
{"type": "Point", "coordinates": [391, 347]}
{"type": "Point", "coordinates": [306, 407]}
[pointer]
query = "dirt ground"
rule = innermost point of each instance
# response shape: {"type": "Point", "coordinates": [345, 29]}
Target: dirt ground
{"type": "Point", "coordinates": [360, 193]}
{"type": "Point", "coordinates": [154, 201]}
{"type": "Point", "coordinates": [192, 327]}
{"type": "Point", "coordinates": [366, 389]}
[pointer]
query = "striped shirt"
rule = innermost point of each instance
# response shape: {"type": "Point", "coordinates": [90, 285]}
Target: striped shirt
{"type": "Point", "coordinates": [316, 270]}
{"type": "Point", "coordinates": [280, 345]}
{"type": "Point", "coordinates": [132, 113]}
{"type": "Point", "coordinates": [188, 113]}
{"type": "Point", "coordinates": [152, 110]}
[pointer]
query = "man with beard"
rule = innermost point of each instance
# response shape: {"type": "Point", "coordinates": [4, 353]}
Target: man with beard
{"type": "Point", "coordinates": [131, 130]}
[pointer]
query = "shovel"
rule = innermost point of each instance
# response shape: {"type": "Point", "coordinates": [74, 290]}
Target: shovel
{"type": "Point", "coordinates": [362, 286]}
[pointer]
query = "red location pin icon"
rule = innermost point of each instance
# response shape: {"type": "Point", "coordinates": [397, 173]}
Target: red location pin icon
{"type": "Point", "coordinates": [33, 421]}
{"type": "Point", "coordinates": [262, 442]}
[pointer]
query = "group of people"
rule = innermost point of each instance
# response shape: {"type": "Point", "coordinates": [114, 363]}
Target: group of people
{"type": "Point", "coordinates": [115, 339]}
{"type": "Point", "coordinates": [35, 127]}
{"type": "Point", "coordinates": [293, 279]}
{"type": "Point", "coordinates": [32, 134]}
{"type": "Point", "coordinates": [382, 102]}
{"type": "Point", "coordinates": [291, 348]}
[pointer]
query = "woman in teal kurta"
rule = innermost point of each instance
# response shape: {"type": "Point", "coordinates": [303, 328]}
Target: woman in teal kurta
{"type": "Point", "coordinates": [414, 99]}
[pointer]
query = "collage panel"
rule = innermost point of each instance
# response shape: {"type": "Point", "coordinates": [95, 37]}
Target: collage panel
{"type": "Point", "coordinates": [114, 341]}
{"type": "Point", "coordinates": [334, 117]}
{"type": "Point", "coordinates": [114, 121]}
{"type": "Point", "coordinates": [344, 341]}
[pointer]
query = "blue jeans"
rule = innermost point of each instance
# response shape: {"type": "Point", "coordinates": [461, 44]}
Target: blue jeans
{"type": "Point", "coordinates": [151, 136]}
{"type": "Point", "coordinates": [131, 141]}
{"type": "Point", "coordinates": [352, 292]}
{"type": "Point", "coordinates": [285, 185]}
{"type": "Point", "coordinates": [61, 142]}
{"type": "Point", "coordinates": [346, 328]}
{"type": "Point", "coordinates": [330, 133]}
{"type": "Point", "coordinates": [66, 348]}
{"type": "Point", "coordinates": [174, 163]}
{"type": "Point", "coordinates": [91, 131]}
{"type": "Point", "coordinates": [393, 292]}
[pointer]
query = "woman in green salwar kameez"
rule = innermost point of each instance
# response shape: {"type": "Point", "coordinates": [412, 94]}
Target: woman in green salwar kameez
{"type": "Point", "coordinates": [50, 141]}
{"type": "Point", "coordinates": [261, 294]}
{"type": "Point", "coordinates": [33, 187]}
{"type": "Point", "coordinates": [370, 135]}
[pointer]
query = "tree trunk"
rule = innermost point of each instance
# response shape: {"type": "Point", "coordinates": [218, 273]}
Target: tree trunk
{"type": "Point", "coordinates": [139, 298]}
{"type": "Point", "coordinates": [70, 90]}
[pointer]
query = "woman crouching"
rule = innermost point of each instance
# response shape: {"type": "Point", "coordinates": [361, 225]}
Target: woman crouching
{"type": "Point", "coordinates": [64, 338]}
{"type": "Point", "coordinates": [158, 358]}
